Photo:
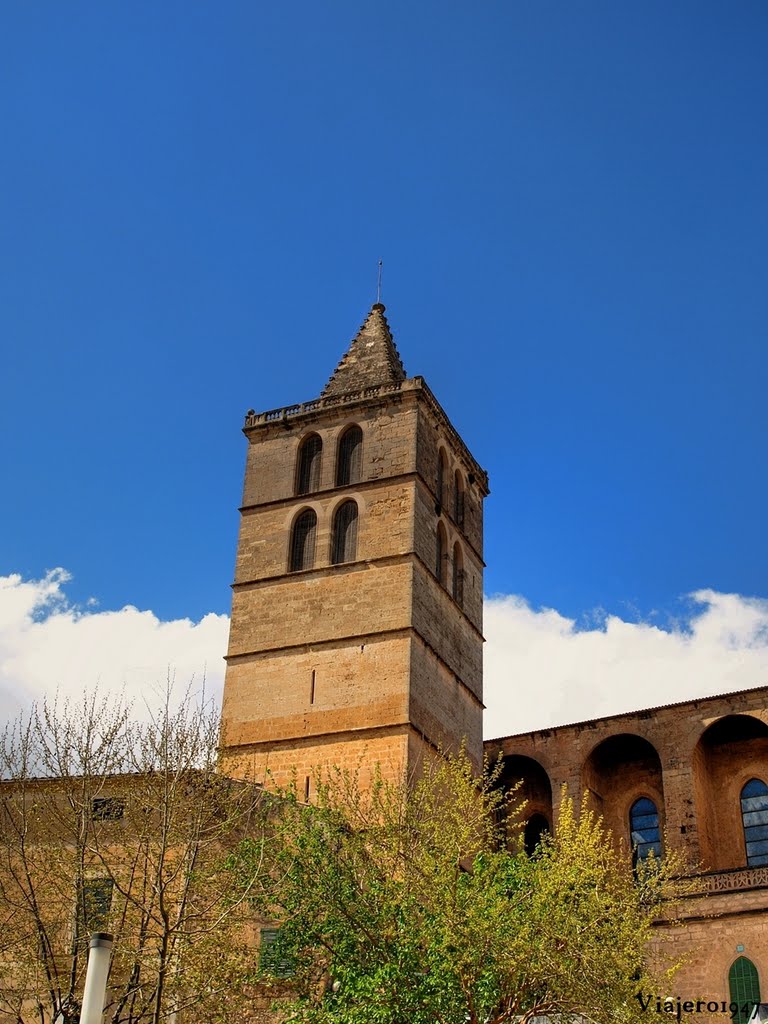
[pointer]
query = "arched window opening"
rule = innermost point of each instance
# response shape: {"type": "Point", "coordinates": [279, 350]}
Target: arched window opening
{"type": "Point", "coordinates": [344, 544]}
{"type": "Point", "coordinates": [441, 554]}
{"type": "Point", "coordinates": [744, 986]}
{"type": "Point", "coordinates": [308, 469]}
{"type": "Point", "coordinates": [535, 828]}
{"type": "Point", "coordinates": [442, 473]}
{"type": "Point", "coordinates": [723, 754]}
{"type": "Point", "coordinates": [302, 554]}
{"type": "Point", "coordinates": [349, 460]}
{"type": "Point", "coordinates": [754, 817]}
{"type": "Point", "coordinates": [644, 829]}
{"type": "Point", "coordinates": [458, 499]}
{"type": "Point", "coordinates": [524, 783]}
{"type": "Point", "coordinates": [458, 574]}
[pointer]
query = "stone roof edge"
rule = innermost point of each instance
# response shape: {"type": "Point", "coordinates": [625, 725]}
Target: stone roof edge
{"type": "Point", "coordinates": [626, 714]}
{"type": "Point", "coordinates": [271, 417]}
{"type": "Point", "coordinates": [255, 420]}
{"type": "Point", "coordinates": [442, 415]}
{"type": "Point", "coordinates": [108, 780]}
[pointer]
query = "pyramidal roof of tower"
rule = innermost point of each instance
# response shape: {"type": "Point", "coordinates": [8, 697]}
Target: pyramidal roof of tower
{"type": "Point", "coordinates": [371, 358]}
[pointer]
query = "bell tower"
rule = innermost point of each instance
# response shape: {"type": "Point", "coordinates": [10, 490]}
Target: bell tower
{"type": "Point", "coordinates": [356, 629]}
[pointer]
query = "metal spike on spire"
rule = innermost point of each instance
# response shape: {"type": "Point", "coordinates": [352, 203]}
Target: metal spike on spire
{"type": "Point", "coordinates": [378, 288]}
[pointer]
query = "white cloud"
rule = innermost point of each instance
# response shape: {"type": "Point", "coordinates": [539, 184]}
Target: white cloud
{"type": "Point", "coordinates": [541, 669]}
{"type": "Point", "coordinates": [48, 644]}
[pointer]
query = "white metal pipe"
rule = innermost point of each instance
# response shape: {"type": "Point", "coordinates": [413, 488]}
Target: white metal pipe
{"type": "Point", "coordinates": [99, 953]}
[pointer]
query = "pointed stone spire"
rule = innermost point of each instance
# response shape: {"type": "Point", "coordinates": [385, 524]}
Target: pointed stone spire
{"type": "Point", "coordinates": [371, 358]}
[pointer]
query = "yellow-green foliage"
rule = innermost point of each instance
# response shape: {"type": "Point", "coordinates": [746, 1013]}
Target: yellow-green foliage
{"type": "Point", "coordinates": [408, 905]}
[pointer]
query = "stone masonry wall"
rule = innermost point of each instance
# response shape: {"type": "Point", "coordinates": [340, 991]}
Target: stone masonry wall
{"type": "Point", "coordinates": [425, 546]}
{"type": "Point", "coordinates": [677, 734]}
{"type": "Point", "coordinates": [431, 438]}
{"type": "Point", "coordinates": [441, 707]}
{"type": "Point", "coordinates": [299, 759]}
{"type": "Point", "coordinates": [372, 644]}
{"type": "Point", "coordinates": [312, 607]}
{"type": "Point", "coordinates": [388, 447]}
{"type": "Point", "coordinates": [384, 528]}
{"type": "Point", "coordinates": [718, 929]}
{"type": "Point", "coordinates": [317, 690]}
{"type": "Point", "coordinates": [440, 622]}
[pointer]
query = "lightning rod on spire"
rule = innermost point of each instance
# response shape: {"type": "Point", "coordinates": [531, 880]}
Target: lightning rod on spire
{"type": "Point", "coordinates": [378, 287]}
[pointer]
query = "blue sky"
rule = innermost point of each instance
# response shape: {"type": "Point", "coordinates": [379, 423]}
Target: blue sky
{"type": "Point", "coordinates": [570, 201]}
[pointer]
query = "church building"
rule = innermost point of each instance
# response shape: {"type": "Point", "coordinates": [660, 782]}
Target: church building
{"type": "Point", "coordinates": [356, 629]}
{"type": "Point", "coordinates": [356, 639]}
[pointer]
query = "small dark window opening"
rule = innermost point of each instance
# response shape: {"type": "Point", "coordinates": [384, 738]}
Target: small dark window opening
{"type": "Point", "coordinates": [94, 906]}
{"type": "Point", "coordinates": [754, 817]}
{"type": "Point", "coordinates": [312, 688]}
{"type": "Point", "coordinates": [303, 541]}
{"type": "Point", "coordinates": [441, 554]}
{"type": "Point", "coordinates": [535, 828]}
{"type": "Point", "coordinates": [349, 462]}
{"type": "Point", "coordinates": [344, 548]}
{"type": "Point", "coordinates": [107, 808]}
{"type": "Point", "coordinates": [458, 499]}
{"type": "Point", "coordinates": [644, 829]}
{"type": "Point", "coordinates": [458, 575]}
{"type": "Point", "coordinates": [308, 471]}
{"type": "Point", "coordinates": [272, 960]}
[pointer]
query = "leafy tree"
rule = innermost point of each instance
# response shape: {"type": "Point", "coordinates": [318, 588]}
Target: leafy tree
{"type": "Point", "coordinates": [110, 825]}
{"type": "Point", "coordinates": [410, 905]}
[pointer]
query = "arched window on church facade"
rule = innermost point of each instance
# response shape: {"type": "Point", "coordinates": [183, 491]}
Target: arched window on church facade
{"type": "Point", "coordinates": [302, 552]}
{"type": "Point", "coordinates": [754, 818]}
{"type": "Point", "coordinates": [441, 554]}
{"type": "Point", "coordinates": [344, 539]}
{"type": "Point", "coordinates": [744, 988]}
{"type": "Point", "coordinates": [308, 465]}
{"type": "Point", "coordinates": [349, 457]}
{"type": "Point", "coordinates": [458, 575]}
{"type": "Point", "coordinates": [644, 829]}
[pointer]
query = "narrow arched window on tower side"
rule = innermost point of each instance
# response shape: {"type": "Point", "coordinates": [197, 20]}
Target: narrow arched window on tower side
{"type": "Point", "coordinates": [754, 818]}
{"type": "Point", "coordinates": [441, 554]}
{"type": "Point", "coordinates": [308, 464]}
{"type": "Point", "coordinates": [744, 988]}
{"type": "Point", "coordinates": [302, 552]}
{"type": "Point", "coordinates": [644, 829]}
{"type": "Point", "coordinates": [344, 542]}
{"type": "Point", "coordinates": [458, 498]}
{"type": "Point", "coordinates": [458, 574]}
{"type": "Point", "coordinates": [349, 458]}
{"type": "Point", "coordinates": [442, 473]}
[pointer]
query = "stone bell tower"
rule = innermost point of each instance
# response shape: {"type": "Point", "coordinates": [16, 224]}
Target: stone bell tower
{"type": "Point", "coordinates": [356, 630]}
